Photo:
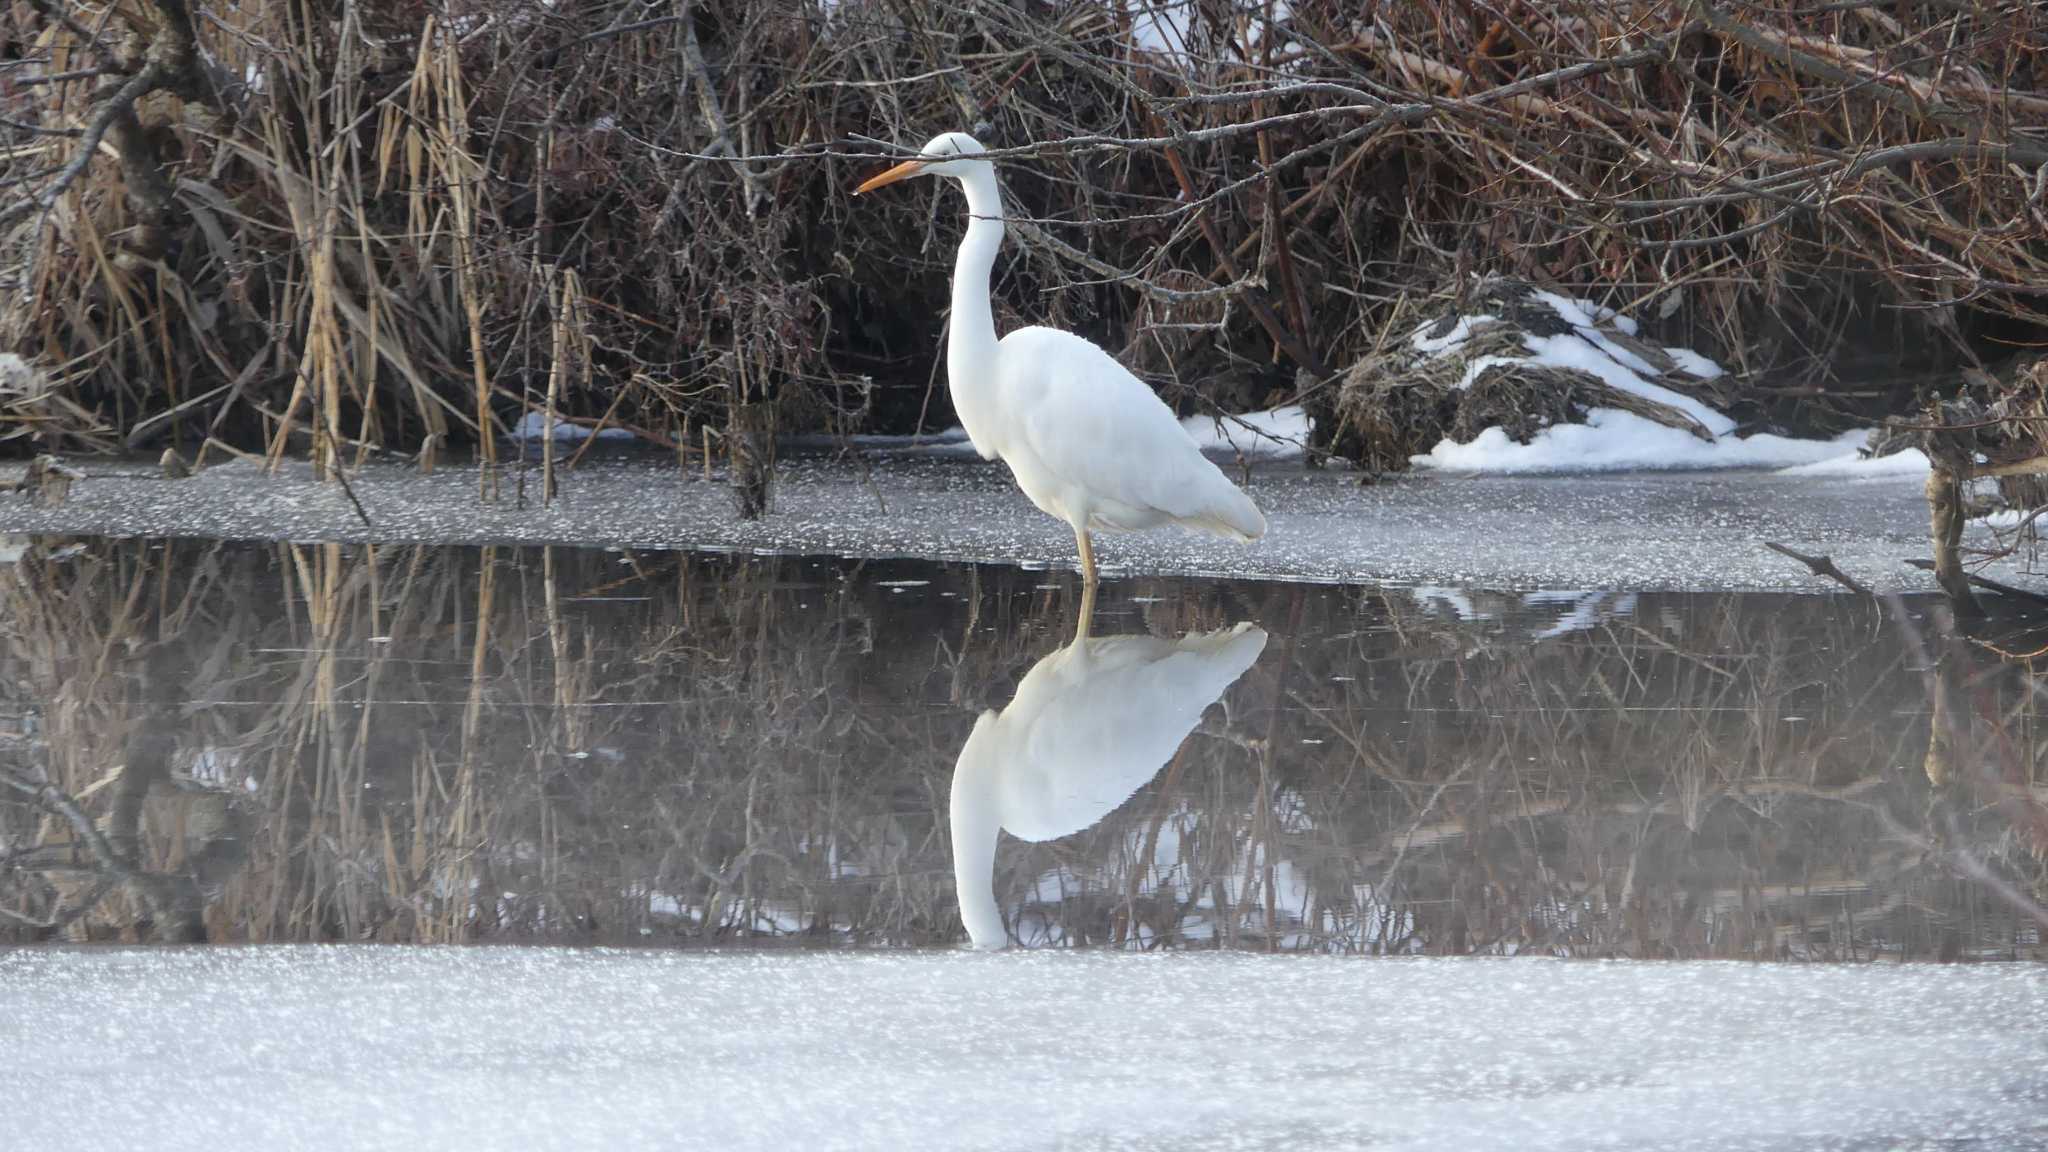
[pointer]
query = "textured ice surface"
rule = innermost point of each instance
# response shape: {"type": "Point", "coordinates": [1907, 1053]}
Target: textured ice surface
{"type": "Point", "coordinates": [1681, 531]}
{"type": "Point", "coordinates": [399, 1048]}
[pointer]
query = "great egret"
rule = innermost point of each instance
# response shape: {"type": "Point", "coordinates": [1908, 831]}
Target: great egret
{"type": "Point", "coordinates": [1090, 724]}
{"type": "Point", "coordinates": [1087, 441]}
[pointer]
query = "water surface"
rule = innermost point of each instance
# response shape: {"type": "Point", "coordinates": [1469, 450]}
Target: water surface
{"type": "Point", "coordinates": [418, 744]}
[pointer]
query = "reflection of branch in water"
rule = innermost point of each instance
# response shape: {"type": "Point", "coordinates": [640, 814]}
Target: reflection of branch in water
{"type": "Point", "coordinates": [114, 863]}
{"type": "Point", "coordinates": [1946, 747]}
{"type": "Point", "coordinates": [1969, 864]}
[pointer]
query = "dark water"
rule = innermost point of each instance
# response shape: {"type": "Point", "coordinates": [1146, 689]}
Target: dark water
{"type": "Point", "coordinates": [420, 744]}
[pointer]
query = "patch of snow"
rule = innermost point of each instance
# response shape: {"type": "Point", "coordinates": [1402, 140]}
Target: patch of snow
{"type": "Point", "coordinates": [1584, 355]}
{"type": "Point", "coordinates": [17, 375]}
{"type": "Point", "coordinates": [1584, 315]}
{"type": "Point", "coordinates": [1695, 365]}
{"type": "Point", "coordinates": [1422, 341]}
{"type": "Point", "coordinates": [1588, 349]}
{"type": "Point", "coordinates": [533, 426]}
{"type": "Point", "coordinates": [1479, 364]}
{"type": "Point", "coordinates": [1910, 463]}
{"type": "Point", "coordinates": [950, 442]}
{"type": "Point", "coordinates": [2006, 519]}
{"type": "Point", "coordinates": [1279, 432]}
{"type": "Point", "coordinates": [1161, 27]}
{"type": "Point", "coordinates": [1612, 440]}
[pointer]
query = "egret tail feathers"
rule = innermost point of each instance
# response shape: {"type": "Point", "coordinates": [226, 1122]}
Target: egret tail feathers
{"type": "Point", "coordinates": [1234, 517]}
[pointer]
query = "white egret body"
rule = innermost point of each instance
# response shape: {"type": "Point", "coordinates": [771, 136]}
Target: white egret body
{"type": "Point", "coordinates": [1090, 724]}
{"type": "Point", "coordinates": [1087, 441]}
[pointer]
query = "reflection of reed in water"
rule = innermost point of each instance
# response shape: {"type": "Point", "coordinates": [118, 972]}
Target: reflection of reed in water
{"type": "Point", "coordinates": [1089, 725]}
{"type": "Point", "coordinates": [407, 743]}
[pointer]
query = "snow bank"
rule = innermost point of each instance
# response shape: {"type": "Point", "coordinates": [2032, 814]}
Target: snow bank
{"type": "Point", "coordinates": [1612, 441]}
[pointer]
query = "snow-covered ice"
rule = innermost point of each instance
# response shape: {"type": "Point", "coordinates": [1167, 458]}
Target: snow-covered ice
{"type": "Point", "coordinates": [452, 1049]}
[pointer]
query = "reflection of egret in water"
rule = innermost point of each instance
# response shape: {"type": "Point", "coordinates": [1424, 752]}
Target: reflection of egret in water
{"type": "Point", "coordinates": [1090, 724]}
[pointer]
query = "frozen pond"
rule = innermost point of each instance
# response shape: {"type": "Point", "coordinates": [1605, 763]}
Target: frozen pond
{"type": "Point", "coordinates": [404, 1048]}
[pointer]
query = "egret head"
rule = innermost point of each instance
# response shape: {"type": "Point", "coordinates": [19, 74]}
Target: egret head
{"type": "Point", "coordinates": [952, 154]}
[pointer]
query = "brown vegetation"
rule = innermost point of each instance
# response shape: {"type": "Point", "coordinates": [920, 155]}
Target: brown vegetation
{"type": "Point", "coordinates": [397, 226]}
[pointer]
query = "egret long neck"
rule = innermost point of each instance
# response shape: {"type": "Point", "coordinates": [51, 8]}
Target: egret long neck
{"type": "Point", "coordinates": [976, 820]}
{"type": "Point", "coordinates": [971, 337]}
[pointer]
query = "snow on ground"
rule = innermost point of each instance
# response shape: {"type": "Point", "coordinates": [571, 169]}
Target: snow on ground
{"type": "Point", "coordinates": [1581, 351]}
{"type": "Point", "coordinates": [1276, 434]}
{"type": "Point", "coordinates": [1614, 441]}
{"type": "Point", "coordinates": [382, 1047]}
{"type": "Point", "coordinates": [1855, 466]}
{"type": "Point", "coordinates": [1422, 341]}
{"type": "Point", "coordinates": [1695, 365]}
{"type": "Point", "coordinates": [2007, 519]}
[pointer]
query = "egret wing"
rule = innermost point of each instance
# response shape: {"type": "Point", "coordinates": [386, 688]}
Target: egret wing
{"type": "Point", "coordinates": [1100, 429]}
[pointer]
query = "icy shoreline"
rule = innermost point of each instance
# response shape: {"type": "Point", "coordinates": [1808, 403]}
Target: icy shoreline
{"type": "Point", "coordinates": [1675, 531]}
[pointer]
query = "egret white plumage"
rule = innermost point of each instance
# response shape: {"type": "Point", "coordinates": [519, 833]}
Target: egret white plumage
{"type": "Point", "coordinates": [1087, 441]}
{"type": "Point", "coordinates": [1089, 725]}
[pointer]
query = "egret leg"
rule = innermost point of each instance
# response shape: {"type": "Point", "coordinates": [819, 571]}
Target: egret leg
{"type": "Point", "coordinates": [1087, 581]}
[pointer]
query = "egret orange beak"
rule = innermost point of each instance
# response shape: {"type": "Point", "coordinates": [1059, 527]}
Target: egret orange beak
{"type": "Point", "coordinates": [902, 171]}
